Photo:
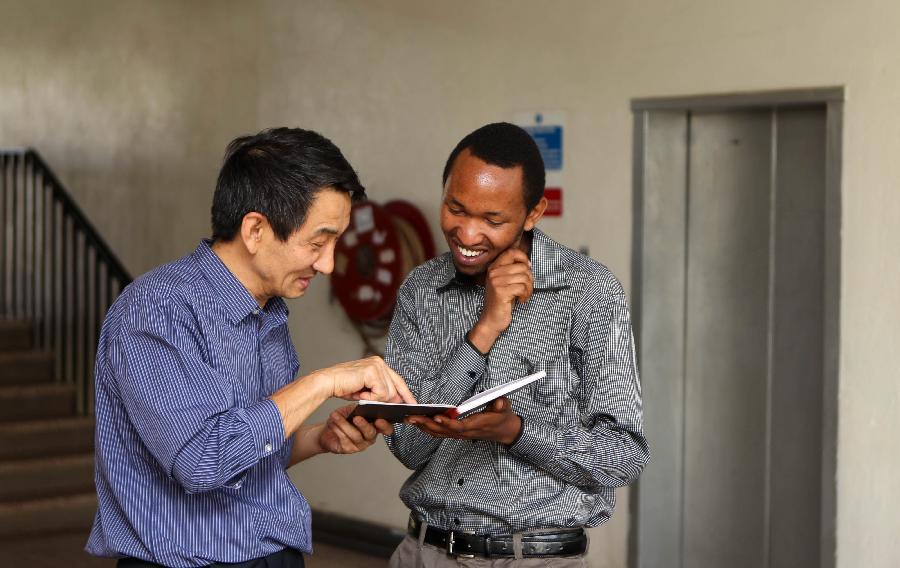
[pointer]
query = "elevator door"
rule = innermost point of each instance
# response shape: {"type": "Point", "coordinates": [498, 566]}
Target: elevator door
{"type": "Point", "coordinates": [731, 338]}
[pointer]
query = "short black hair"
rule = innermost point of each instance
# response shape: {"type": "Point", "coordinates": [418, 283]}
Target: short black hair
{"type": "Point", "coordinates": [278, 173]}
{"type": "Point", "coordinates": [506, 145]}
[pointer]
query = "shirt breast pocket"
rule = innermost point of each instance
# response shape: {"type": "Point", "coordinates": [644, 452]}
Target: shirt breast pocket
{"type": "Point", "coordinates": [554, 398]}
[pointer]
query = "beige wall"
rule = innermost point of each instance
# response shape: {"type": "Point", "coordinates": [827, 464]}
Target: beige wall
{"type": "Point", "coordinates": [133, 104]}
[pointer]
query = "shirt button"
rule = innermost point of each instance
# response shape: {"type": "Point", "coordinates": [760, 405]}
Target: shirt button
{"type": "Point", "coordinates": [267, 447]}
{"type": "Point", "coordinates": [456, 521]}
{"type": "Point", "coordinates": [461, 481]}
{"type": "Point", "coordinates": [256, 311]}
{"type": "Point", "coordinates": [472, 374]}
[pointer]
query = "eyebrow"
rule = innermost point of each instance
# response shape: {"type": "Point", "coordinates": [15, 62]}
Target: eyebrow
{"type": "Point", "coordinates": [325, 231]}
{"type": "Point", "coordinates": [456, 203]}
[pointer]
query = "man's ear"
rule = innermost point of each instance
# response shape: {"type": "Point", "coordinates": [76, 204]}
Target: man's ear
{"type": "Point", "coordinates": [253, 228]}
{"type": "Point", "coordinates": [536, 213]}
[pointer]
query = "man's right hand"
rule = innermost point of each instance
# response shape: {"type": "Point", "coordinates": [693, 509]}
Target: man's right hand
{"type": "Point", "coordinates": [509, 280]}
{"type": "Point", "coordinates": [367, 379]}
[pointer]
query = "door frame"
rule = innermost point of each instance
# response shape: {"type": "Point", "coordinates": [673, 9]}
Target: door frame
{"type": "Point", "coordinates": [833, 100]}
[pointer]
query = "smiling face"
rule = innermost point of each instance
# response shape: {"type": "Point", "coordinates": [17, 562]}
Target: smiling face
{"type": "Point", "coordinates": [285, 268]}
{"type": "Point", "coordinates": [483, 212]}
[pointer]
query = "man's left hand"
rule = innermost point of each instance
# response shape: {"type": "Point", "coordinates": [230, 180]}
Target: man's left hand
{"type": "Point", "coordinates": [497, 423]}
{"type": "Point", "coordinates": [343, 437]}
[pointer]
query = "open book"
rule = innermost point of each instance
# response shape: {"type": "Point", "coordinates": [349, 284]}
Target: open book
{"type": "Point", "coordinates": [394, 411]}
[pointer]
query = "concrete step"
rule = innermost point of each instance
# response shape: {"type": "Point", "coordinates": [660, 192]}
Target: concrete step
{"type": "Point", "coordinates": [15, 335]}
{"type": "Point", "coordinates": [36, 402]}
{"type": "Point", "coordinates": [44, 516]}
{"type": "Point", "coordinates": [38, 438]}
{"type": "Point", "coordinates": [21, 480]}
{"type": "Point", "coordinates": [25, 367]}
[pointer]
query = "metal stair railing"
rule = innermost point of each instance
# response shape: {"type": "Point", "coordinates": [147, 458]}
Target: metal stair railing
{"type": "Point", "coordinates": [55, 269]}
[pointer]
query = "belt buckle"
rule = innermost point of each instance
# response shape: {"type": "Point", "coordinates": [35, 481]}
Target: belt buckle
{"type": "Point", "coordinates": [451, 540]}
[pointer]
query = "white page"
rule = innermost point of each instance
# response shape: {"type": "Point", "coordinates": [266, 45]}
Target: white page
{"type": "Point", "coordinates": [497, 392]}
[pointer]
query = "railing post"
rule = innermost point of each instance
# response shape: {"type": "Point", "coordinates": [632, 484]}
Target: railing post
{"type": "Point", "coordinates": [55, 269]}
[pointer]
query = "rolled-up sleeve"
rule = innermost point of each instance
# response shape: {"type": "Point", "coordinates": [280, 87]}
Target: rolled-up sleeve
{"type": "Point", "coordinates": [182, 407]}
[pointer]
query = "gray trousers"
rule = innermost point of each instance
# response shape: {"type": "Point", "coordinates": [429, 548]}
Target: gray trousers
{"type": "Point", "coordinates": [410, 554]}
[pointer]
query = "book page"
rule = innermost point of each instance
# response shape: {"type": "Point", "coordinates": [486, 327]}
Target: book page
{"type": "Point", "coordinates": [395, 411]}
{"type": "Point", "coordinates": [496, 392]}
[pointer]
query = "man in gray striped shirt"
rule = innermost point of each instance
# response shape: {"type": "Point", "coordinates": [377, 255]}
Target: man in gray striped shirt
{"type": "Point", "coordinates": [524, 477]}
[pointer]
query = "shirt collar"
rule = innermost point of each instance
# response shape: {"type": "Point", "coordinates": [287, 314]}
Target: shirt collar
{"type": "Point", "coordinates": [546, 265]}
{"type": "Point", "coordinates": [237, 301]}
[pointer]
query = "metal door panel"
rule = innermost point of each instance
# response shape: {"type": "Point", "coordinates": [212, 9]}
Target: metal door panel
{"type": "Point", "coordinates": [726, 359]}
{"type": "Point", "coordinates": [662, 284]}
{"type": "Point", "coordinates": [798, 323]}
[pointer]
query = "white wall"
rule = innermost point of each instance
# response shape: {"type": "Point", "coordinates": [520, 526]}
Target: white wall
{"type": "Point", "coordinates": [133, 103]}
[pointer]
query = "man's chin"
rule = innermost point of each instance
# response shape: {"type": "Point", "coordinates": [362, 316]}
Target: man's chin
{"type": "Point", "coordinates": [294, 293]}
{"type": "Point", "coordinates": [471, 270]}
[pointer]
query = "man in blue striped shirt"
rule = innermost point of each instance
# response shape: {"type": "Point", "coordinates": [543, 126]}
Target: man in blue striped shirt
{"type": "Point", "coordinates": [198, 410]}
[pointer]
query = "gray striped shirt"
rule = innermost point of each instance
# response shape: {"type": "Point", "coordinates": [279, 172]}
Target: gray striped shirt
{"type": "Point", "coordinates": [583, 433]}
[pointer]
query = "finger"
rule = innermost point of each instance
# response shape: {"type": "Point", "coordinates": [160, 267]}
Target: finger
{"type": "Point", "coordinates": [510, 270]}
{"type": "Point", "coordinates": [521, 292]}
{"type": "Point", "coordinates": [400, 387]}
{"type": "Point", "coordinates": [340, 424]}
{"type": "Point", "coordinates": [384, 382]}
{"type": "Point", "coordinates": [478, 422]}
{"type": "Point", "coordinates": [345, 410]}
{"type": "Point", "coordinates": [530, 290]}
{"type": "Point", "coordinates": [502, 404]}
{"type": "Point", "coordinates": [513, 289]}
{"type": "Point", "coordinates": [429, 426]}
{"type": "Point", "coordinates": [365, 428]}
{"type": "Point", "coordinates": [516, 279]}
{"type": "Point", "coordinates": [431, 432]}
{"type": "Point", "coordinates": [503, 282]}
{"type": "Point", "coordinates": [345, 444]}
{"type": "Point", "coordinates": [451, 424]}
{"type": "Point", "coordinates": [511, 256]}
{"type": "Point", "coordinates": [384, 427]}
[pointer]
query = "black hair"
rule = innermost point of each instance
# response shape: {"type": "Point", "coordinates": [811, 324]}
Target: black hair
{"type": "Point", "coordinates": [278, 173]}
{"type": "Point", "coordinates": [506, 145]}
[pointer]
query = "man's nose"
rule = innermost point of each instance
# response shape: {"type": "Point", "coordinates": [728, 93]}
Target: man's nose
{"type": "Point", "coordinates": [325, 262]}
{"type": "Point", "coordinates": [468, 233]}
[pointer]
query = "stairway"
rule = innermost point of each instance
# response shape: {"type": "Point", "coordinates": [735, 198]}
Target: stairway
{"type": "Point", "coordinates": [46, 449]}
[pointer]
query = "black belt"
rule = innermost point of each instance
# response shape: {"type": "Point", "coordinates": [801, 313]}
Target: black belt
{"type": "Point", "coordinates": [555, 542]}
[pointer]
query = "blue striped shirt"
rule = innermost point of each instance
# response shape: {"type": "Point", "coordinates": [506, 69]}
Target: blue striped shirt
{"type": "Point", "coordinates": [190, 454]}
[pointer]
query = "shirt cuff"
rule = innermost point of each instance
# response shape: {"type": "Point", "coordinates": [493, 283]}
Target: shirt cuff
{"type": "Point", "coordinates": [464, 368]}
{"type": "Point", "coordinates": [538, 442]}
{"type": "Point", "coordinates": [266, 427]}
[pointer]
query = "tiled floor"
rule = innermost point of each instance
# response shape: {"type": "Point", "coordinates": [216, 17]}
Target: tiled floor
{"type": "Point", "coordinates": [67, 550]}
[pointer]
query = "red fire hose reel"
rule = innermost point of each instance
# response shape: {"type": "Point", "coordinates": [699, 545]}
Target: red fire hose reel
{"type": "Point", "coordinates": [376, 252]}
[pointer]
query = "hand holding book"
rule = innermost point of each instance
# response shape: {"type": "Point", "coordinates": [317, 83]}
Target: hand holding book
{"type": "Point", "coordinates": [496, 423]}
{"type": "Point", "coordinates": [394, 412]}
